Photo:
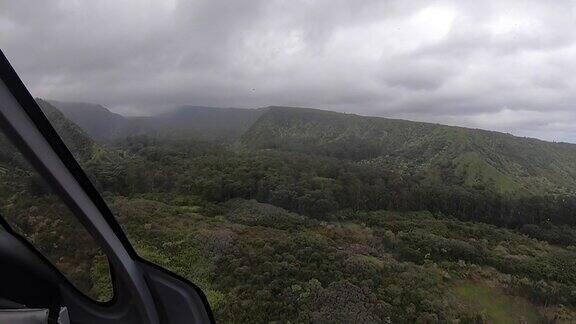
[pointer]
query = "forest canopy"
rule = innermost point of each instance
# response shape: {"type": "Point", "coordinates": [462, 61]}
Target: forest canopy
{"type": "Point", "coordinates": [300, 215]}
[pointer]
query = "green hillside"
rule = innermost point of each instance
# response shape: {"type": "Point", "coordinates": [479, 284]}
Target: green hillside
{"type": "Point", "coordinates": [75, 137]}
{"type": "Point", "coordinates": [106, 166]}
{"type": "Point", "coordinates": [438, 153]}
{"type": "Point", "coordinates": [321, 217]}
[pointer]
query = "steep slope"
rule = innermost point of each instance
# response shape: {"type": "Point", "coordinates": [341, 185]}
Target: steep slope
{"type": "Point", "coordinates": [438, 153]}
{"type": "Point", "coordinates": [208, 123]}
{"type": "Point", "coordinates": [13, 163]}
{"type": "Point", "coordinates": [74, 136]}
{"type": "Point", "coordinates": [107, 167]}
{"type": "Point", "coordinates": [16, 173]}
{"type": "Point", "coordinates": [96, 120]}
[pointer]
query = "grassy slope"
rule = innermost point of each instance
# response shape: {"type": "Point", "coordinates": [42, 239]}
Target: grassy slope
{"type": "Point", "coordinates": [476, 157]}
{"type": "Point", "coordinates": [494, 305]}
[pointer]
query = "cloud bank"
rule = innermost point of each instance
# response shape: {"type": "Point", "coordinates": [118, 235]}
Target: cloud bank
{"type": "Point", "coordinates": [500, 65]}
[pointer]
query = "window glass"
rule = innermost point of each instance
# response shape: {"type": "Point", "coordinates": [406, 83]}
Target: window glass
{"type": "Point", "coordinates": [35, 212]}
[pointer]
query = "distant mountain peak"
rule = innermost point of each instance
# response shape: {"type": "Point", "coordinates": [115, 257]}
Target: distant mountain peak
{"type": "Point", "coordinates": [209, 123]}
{"type": "Point", "coordinates": [70, 106]}
{"type": "Point", "coordinates": [98, 121]}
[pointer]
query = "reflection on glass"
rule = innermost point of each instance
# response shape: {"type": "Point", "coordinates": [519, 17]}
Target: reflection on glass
{"type": "Point", "coordinates": [35, 212]}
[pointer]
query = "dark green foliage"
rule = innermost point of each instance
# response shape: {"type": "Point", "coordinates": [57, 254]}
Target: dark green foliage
{"type": "Point", "coordinates": [550, 232]}
{"type": "Point", "coordinates": [325, 217]}
{"type": "Point", "coordinates": [444, 154]}
{"type": "Point", "coordinates": [356, 269]}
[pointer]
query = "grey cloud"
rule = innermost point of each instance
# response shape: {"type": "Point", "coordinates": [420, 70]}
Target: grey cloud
{"type": "Point", "coordinates": [477, 64]}
{"type": "Point", "coordinates": [414, 73]}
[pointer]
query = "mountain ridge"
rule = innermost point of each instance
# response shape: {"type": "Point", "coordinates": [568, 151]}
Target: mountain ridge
{"type": "Point", "coordinates": [473, 156]}
{"type": "Point", "coordinates": [434, 152]}
{"type": "Point", "coordinates": [72, 110]}
{"type": "Point", "coordinates": [209, 123]}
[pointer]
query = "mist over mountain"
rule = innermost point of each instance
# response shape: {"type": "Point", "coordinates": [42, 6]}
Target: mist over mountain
{"type": "Point", "coordinates": [211, 123]}
{"type": "Point", "coordinates": [222, 124]}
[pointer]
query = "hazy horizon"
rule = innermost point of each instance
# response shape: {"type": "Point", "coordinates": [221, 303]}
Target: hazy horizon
{"type": "Point", "coordinates": [498, 65]}
{"type": "Point", "coordinates": [324, 109]}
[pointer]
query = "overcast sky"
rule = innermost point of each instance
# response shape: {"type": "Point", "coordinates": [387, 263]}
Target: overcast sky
{"type": "Point", "coordinates": [501, 65]}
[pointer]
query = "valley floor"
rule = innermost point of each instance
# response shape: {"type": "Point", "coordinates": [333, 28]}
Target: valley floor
{"type": "Point", "coordinates": [260, 263]}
